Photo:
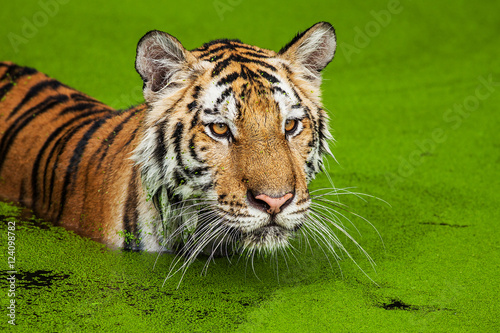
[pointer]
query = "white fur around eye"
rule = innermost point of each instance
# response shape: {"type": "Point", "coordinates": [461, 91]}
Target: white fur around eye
{"type": "Point", "coordinates": [295, 113]}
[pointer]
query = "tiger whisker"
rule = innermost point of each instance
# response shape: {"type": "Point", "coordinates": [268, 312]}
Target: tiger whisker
{"type": "Point", "coordinates": [357, 215]}
{"type": "Point", "coordinates": [179, 255]}
{"type": "Point", "coordinates": [313, 236]}
{"type": "Point", "coordinates": [194, 246]}
{"type": "Point", "coordinates": [372, 263]}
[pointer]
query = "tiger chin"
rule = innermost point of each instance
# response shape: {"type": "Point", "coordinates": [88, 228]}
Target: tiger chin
{"type": "Point", "coordinates": [216, 161]}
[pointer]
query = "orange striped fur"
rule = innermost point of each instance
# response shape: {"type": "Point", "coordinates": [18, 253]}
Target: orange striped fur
{"type": "Point", "coordinates": [64, 154]}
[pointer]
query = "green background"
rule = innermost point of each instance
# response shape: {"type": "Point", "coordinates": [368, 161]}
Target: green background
{"type": "Point", "coordinates": [414, 123]}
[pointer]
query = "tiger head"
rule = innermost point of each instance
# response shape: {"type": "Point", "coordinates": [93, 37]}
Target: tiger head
{"type": "Point", "coordinates": [233, 135]}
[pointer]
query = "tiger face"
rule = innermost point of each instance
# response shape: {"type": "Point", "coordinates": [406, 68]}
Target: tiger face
{"type": "Point", "coordinates": [233, 135]}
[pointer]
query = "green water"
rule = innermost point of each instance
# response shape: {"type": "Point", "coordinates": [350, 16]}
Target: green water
{"type": "Point", "coordinates": [416, 124]}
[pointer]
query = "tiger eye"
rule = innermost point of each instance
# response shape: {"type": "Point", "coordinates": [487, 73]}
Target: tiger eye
{"type": "Point", "coordinates": [219, 128]}
{"type": "Point", "coordinates": [290, 124]}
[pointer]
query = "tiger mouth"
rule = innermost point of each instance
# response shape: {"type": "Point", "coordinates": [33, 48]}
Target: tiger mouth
{"type": "Point", "coordinates": [223, 236]}
{"type": "Point", "coordinates": [269, 238]}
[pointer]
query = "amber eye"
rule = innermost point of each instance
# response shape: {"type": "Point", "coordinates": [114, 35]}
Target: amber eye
{"type": "Point", "coordinates": [290, 125]}
{"type": "Point", "coordinates": [219, 129]}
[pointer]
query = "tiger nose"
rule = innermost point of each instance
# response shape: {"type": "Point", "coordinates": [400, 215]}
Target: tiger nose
{"type": "Point", "coordinates": [270, 204]}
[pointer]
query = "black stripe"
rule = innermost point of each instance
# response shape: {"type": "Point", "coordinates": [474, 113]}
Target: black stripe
{"type": "Point", "coordinates": [57, 150]}
{"type": "Point", "coordinates": [13, 73]}
{"type": "Point", "coordinates": [79, 97]}
{"type": "Point", "coordinates": [195, 172]}
{"type": "Point", "coordinates": [238, 58]}
{"type": "Point", "coordinates": [207, 187]}
{"type": "Point", "coordinates": [24, 120]}
{"type": "Point", "coordinates": [57, 146]}
{"type": "Point", "coordinates": [5, 89]}
{"type": "Point", "coordinates": [194, 122]}
{"type": "Point", "coordinates": [220, 66]}
{"type": "Point", "coordinates": [26, 71]}
{"type": "Point", "coordinates": [192, 151]}
{"type": "Point", "coordinates": [228, 45]}
{"type": "Point", "coordinates": [210, 111]}
{"type": "Point", "coordinates": [216, 41]}
{"type": "Point", "coordinates": [308, 113]}
{"type": "Point", "coordinates": [190, 173]}
{"type": "Point", "coordinates": [77, 107]}
{"type": "Point", "coordinates": [269, 77]}
{"type": "Point", "coordinates": [156, 202]}
{"type": "Point", "coordinates": [296, 94]}
{"type": "Point", "coordinates": [16, 72]}
{"type": "Point", "coordinates": [132, 136]}
{"type": "Point", "coordinates": [196, 92]}
{"type": "Point", "coordinates": [314, 124]}
{"type": "Point", "coordinates": [72, 169]}
{"type": "Point", "coordinates": [172, 198]}
{"type": "Point", "coordinates": [238, 110]}
{"type": "Point", "coordinates": [223, 96]}
{"type": "Point", "coordinates": [35, 90]}
{"type": "Point", "coordinates": [293, 41]}
{"type": "Point", "coordinates": [310, 167]}
{"type": "Point", "coordinates": [178, 179]}
{"type": "Point", "coordinates": [247, 74]}
{"type": "Point", "coordinates": [287, 70]}
{"type": "Point", "coordinates": [160, 150]}
{"type": "Point", "coordinates": [240, 45]}
{"type": "Point", "coordinates": [321, 131]}
{"type": "Point", "coordinates": [177, 137]}
{"type": "Point", "coordinates": [216, 57]}
{"type": "Point", "coordinates": [256, 55]}
{"type": "Point", "coordinates": [279, 90]}
{"type": "Point", "coordinates": [109, 140]}
{"type": "Point", "coordinates": [245, 89]}
{"type": "Point", "coordinates": [130, 218]}
{"type": "Point", "coordinates": [192, 105]}
{"type": "Point", "coordinates": [243, 73]}
{"type": "Point", "coordinates": [210, 53]}
{"type": "Point", "coordinates": [228, 79]}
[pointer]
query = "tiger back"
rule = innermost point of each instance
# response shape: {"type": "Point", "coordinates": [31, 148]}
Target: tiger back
{"type": "Point", "coordinates": [60, 150]}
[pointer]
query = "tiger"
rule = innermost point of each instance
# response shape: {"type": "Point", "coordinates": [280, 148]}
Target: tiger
{"type": "Point", "coordinates": [217, 160]}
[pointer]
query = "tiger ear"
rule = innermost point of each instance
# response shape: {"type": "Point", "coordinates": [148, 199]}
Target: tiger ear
{"type": "Point", "coordinates": [159, 57]}
{"type": "Point", "coordinates": [313, 48]}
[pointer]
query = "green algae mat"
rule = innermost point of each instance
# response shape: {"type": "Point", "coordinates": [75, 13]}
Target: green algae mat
{"type": "Point", "coordinates": [413, 94]}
